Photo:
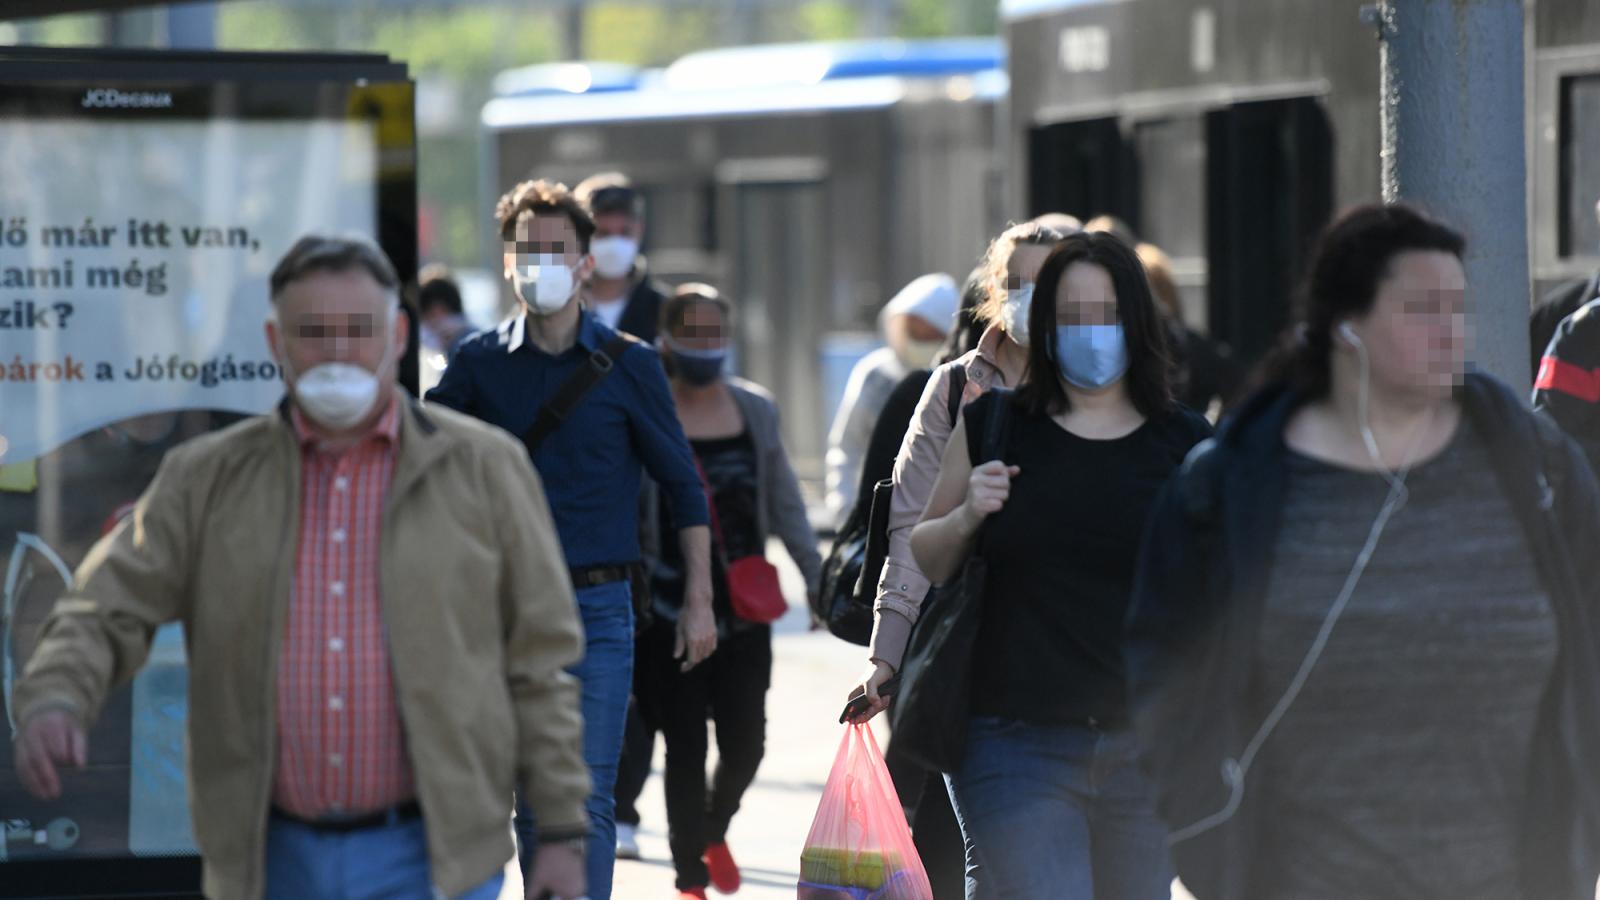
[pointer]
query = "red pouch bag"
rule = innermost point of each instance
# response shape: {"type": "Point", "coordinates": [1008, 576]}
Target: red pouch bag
{"type": "Point", "coordinates": [753, 588]}
{"type": "Point", "coordinates": [860, 846]}
{"type": "Point", "coordinates": [754, 591]}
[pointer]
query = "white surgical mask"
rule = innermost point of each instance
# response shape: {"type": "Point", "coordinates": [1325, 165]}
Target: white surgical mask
{"type": "Point", "coordinates": [544, 281]}
{"type": "Point", "coordinates": [614, 256]}
{"type": "Point", "coordinates": [1014, 313]}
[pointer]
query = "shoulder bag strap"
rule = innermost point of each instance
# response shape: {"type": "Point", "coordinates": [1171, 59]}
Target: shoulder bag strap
{"type": "Point", "coordinates": [566, 398]}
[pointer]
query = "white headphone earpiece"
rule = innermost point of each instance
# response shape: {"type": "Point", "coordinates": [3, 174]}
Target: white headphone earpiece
{"type": "Point", "coordinates": [1350, 334]}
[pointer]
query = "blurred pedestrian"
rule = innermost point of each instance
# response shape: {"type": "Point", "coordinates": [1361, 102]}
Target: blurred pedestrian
{"type": "Point", "coordinates": [1106, 223]}
{"type": "Point", "coordinates": [1567, 377]}
{"type": "Point", "coordinates": [1560, 303]}
{"type": "Point", "coordinates": [439, 309]}
{"type": "Point", "coordinates": [619, 291]}
{"type": "Point", "coordinates": [1206, 376]}
{"type": "Point", "coordinates": [1363, 653]}
{"type": "Point", "coordinates": [915, 323]}
{"type": "Point", "coordinates": [346, 728]}
{"type": "Point", "coordinates": [594, 411]}
{"type": "Point", "coordinates": [1048, 794]}
{"type": "Point", "coordinates": [733, 427]}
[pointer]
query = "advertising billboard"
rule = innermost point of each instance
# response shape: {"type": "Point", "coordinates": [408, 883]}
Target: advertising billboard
{"type": "Point", "coordinates": [141, 214]}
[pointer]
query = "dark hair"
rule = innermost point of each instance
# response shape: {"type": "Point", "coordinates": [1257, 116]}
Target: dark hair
{"type": "Point", "coordinates": [534, 197]}
{"type": "Point", "coordinates": [968, 329]}
{"type": "Point", "coordinates": [675, 306]}
{"type": "Point", "coordinates": [320, 253]}
{"type": "Point", "coordinates": [1351, 259]}
{"type": "Point", "coordinates": [436, 287]}
{"type": "Point", "coordinates": [609, 192]}
{"type": "Point", "coordinates": [1149, 376]}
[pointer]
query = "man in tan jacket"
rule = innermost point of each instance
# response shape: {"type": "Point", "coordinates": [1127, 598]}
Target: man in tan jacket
{"type": "Point", "coordinates": [377, 613]}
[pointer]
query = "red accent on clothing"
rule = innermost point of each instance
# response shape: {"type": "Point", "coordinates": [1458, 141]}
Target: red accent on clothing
{"type": "Point", "coordinates": [341, 743]}
{"type": "Point", "coordinates": [1575, 381]}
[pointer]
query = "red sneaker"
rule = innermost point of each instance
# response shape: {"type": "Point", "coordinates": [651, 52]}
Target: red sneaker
{"type": "Point", "coordinates": [692, 894]}
{"type": "Point", "coordinates": [724, 871]}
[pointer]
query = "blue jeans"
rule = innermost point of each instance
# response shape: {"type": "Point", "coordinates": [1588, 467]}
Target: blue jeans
{"type": "Point", "coordinates": [606, 674]}
{"type": "Point", "coordinates": [1057, 811]}
{"type": "Point", "coordinates": [389, 862]}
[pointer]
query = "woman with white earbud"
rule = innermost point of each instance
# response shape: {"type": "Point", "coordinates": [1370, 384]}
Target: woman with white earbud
{"type": "Point", "coordinates": [1362, 654]}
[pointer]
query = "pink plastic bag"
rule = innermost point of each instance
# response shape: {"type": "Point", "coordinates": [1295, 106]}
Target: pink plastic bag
{"type": "Point", "coordinates": [860, 846]}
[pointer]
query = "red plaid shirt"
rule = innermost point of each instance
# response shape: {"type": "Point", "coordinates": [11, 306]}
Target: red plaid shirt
{"type": "Point", "coordinates": [341, 746]}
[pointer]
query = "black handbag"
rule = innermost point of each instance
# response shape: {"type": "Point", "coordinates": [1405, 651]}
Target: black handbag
{"type": "Point", "coordinates": [929, 717]}
{"type": "Point", "coordinates": [851, 571]}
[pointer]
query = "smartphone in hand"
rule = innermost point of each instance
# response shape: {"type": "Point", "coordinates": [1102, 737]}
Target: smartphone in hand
{"type": "Point", "coordinates": [858, 698]}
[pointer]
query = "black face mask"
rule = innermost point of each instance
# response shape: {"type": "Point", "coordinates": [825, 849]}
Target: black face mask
{"type": "Point", "coordinates": [701, 369]}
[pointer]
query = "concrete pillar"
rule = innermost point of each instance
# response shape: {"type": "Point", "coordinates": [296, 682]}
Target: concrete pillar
{"type": "Point", "coordinates": [1453, 144]}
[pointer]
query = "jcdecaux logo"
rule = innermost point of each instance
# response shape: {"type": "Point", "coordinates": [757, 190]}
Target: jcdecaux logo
{"type": "Point", "coordinates": [111, 98]}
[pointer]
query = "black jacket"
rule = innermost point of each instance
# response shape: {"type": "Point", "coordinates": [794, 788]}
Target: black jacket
{"type": "Point", "coordinates": [1197, 608]}
{"type": "Point", "coordinates": [642, 316]}
{"type": "Point", "coordinates": [1561, 302]}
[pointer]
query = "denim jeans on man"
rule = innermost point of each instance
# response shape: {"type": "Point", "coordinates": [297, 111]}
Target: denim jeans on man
{"type": "Point", "coordinates": [387, 862]}
{"type": "Point", "coordinates": [1057, 811]}
{"type": "Point", "coordinates": [607, 677]}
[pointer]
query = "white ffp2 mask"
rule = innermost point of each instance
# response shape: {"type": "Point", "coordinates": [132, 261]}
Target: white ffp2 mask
{"type": "Point", "coordinates": [614, 256]}
{"type": "Point", "coordinates": [544, 281]}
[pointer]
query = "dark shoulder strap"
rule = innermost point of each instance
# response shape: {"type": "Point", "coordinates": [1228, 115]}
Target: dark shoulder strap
{"type": "Point", "coordinates": [566, 398]}
{"type": "Point", "coordinates": [996, 426]}
{"type": "Point", "coordinates": [958, 387]}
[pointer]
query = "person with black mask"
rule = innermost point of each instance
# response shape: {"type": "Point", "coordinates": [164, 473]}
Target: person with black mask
{"type": "Point", "coordinates": [732, 426]}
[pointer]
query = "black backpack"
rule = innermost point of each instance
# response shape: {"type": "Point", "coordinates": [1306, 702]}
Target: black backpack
{"type": "Point", "coordinates": [850, 573]}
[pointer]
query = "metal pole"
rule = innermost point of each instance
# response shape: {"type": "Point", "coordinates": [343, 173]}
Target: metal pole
{"type": "Point", "coordinates": [192, 27]}
{"type": "Point", "coordinates": [572, 29]}
{"type": "Point", "coordinates": [1453, 127]}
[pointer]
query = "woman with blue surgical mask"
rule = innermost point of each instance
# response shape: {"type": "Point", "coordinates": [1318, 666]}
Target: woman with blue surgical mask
{"type": "Point", "coordinates": [1050, 800]}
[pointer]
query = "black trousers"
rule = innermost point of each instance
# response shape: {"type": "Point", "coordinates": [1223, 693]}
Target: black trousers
{"type": "Point", "coordinates": [731, 687]}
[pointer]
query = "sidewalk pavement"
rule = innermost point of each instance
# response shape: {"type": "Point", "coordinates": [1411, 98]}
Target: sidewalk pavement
{"type": "Point", "coordinates": [812, 672]}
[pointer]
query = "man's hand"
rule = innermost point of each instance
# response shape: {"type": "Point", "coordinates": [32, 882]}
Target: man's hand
{"type": "Point", "coordinates": [697, 629]}
{"type": "Point", "coordinates": [49, 739]}
{"type": "Point", "coordinates": [558, 871]}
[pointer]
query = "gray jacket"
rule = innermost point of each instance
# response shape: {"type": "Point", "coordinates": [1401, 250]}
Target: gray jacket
{"type": "Point", "coordinates": [779, 510]}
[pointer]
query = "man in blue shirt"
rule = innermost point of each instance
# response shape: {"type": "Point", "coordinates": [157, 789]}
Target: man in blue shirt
{"type": "Point", "coordinates": [591, 466]}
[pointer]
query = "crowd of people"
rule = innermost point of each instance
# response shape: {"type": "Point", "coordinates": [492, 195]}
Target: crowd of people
{"type": "Point", "coordinates": [1322, 632]}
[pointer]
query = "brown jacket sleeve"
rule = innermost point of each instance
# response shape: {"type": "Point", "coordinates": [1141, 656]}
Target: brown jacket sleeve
{"type": "Point", "coordinates": [133, 581]}
{"type": "Point", "coordinates": [544, 636]}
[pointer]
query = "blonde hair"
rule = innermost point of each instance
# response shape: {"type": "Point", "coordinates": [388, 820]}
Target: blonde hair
{"type": "Point", "coordinates": [1158, 271]}
{"type": "Point", "coordinates": [997, 259]}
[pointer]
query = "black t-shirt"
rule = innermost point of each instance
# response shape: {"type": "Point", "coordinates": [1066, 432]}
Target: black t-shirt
{"type": "Point", "coordinates": [730, 468]}
{"type": "Point", "coordinates": [1061, 557]}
